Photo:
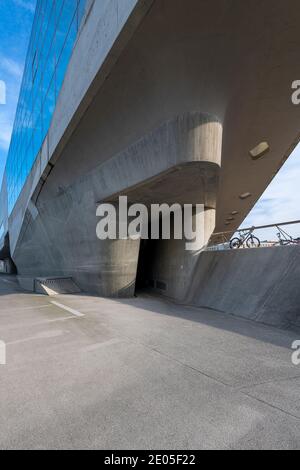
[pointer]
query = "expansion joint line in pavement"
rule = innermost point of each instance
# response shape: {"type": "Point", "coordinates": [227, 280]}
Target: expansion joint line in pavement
{"type": "Point", "coordinates": [270, 405]}
{"type": "Point", "coordinates": [194, 369]}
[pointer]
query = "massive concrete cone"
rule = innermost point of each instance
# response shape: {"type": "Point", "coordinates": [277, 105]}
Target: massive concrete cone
{"type": "Point", "coordinates": [153, 90]}
{"type": "Point", "coordinates": [177, 163]}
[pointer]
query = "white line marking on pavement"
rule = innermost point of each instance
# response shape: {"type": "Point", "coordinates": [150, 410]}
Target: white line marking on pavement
{"type": "Point", "coordinates": [13, 310]}
{"type": "Point", "coordinates": [95, 347]}
{"type": "Point", "coordinates": [40, 336]}
{"type": "Point", "coordinates": [68, 309]}
{"type": "Point", "coordinates": [18, 326]}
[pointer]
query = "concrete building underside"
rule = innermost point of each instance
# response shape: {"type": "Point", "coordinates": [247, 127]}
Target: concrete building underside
{"type": "Point", "coordinates": [188, 90]}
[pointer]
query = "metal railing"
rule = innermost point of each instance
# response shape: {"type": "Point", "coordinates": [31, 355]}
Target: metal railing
{"type": "Point", "coordinates": [222, 240]}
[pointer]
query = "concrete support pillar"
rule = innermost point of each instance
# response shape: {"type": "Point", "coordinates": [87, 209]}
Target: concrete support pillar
{"type": "Point", "coordinates": [119, 261]}
{"type": "Point", "coordinates": [114, 270]}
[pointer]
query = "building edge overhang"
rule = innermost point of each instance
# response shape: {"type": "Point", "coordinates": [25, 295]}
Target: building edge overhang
{"type": "Point", "coordinates": [112, 29]}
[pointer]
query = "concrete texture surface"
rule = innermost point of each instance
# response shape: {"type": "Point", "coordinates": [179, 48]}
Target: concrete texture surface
{"type": "Point", "coordinates": [106, 28]}
{"type": "Point", "coordinates": [144, 64]}
{"type": "Point", "coordinates": [3, 215]}
{"type": "Point", "coordinates": [141, 373]}
{"type": "Point", "coordinates": [188, 147]}
{"type": "Point", "coordinates": [258, 284]}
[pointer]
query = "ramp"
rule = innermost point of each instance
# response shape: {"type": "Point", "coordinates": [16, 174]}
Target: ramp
{"type": "Point", "coordinates": [261, 284]}
{"type": "Point", "coordinates": [56, 286]}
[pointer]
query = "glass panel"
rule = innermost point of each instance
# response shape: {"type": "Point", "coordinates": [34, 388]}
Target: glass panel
{"type": "Point", "coordinates": [53, 35]}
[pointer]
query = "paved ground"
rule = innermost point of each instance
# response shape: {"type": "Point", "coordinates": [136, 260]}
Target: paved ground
{"type": "Point", "coordinates": [141, 373]}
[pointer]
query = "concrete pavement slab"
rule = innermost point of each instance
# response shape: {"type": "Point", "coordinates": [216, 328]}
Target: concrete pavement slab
{"type": "Point", "coordinates": [142, 374]}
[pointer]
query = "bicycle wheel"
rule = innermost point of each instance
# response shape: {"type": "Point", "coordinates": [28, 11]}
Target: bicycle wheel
{"type": "Point", "coordinates": [253, 242]}
{"type": "Point", "coordinates": [235, 244]}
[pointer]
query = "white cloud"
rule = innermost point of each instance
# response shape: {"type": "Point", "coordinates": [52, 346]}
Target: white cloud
{"type": "Point", "coordinates": [281, 200]}
{"type": "Point", "coordinates": [5, 133]}
{"type": "Point", "coordinates": [10, 67]}
{"type": "Point", "coordinates": [27, 4]}
{"type": "Point", "coordinates": [11, 74]}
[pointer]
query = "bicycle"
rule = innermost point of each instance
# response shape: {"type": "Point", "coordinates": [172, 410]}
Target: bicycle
{"type": "Point", "coordinates": [285, 239]}
{"type": "Point", "coordinates": [246, 238]}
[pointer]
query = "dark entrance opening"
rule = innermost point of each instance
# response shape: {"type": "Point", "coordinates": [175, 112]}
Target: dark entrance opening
{"type": "Point", "coordinates": [145, 271]}
{"type": "Point", "coordinates": [152, 265]}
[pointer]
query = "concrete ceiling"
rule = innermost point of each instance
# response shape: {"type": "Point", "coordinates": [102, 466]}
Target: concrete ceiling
{"type": "Point", "coordinates": [233, 59]}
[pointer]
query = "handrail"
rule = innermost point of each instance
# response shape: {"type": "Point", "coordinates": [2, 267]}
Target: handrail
{"type": "Point", "coordinates": [281, 224]}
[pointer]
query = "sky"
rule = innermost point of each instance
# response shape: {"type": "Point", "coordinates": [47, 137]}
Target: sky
{"type": "Point", "coordinates": [280, 202]}
{"type": "Point", "coordinates": [16, 18]}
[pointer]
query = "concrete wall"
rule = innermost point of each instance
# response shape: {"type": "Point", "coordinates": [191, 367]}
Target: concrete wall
{"type": "Point", "coordinates": [153, 60]}
{"type": "Point", "coordinates": [105, 30]}
{"type": "Point", "coordinates": [260, 284]}
{"type": "Point", "coordinates": [3, 213]}
{"type": "Point", "coordinates": [58, 237]}
{"type": "Point", "coordinates": [164, 62]}
{"type": "Point", "coordinates": [171, 266]}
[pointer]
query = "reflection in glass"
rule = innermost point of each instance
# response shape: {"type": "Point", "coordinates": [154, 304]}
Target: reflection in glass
{"type": "Point", "coordinates": [55, 28]}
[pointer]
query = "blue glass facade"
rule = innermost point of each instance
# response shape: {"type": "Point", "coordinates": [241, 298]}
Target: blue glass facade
{"type": "Point", "coordinates": [55, 27]}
